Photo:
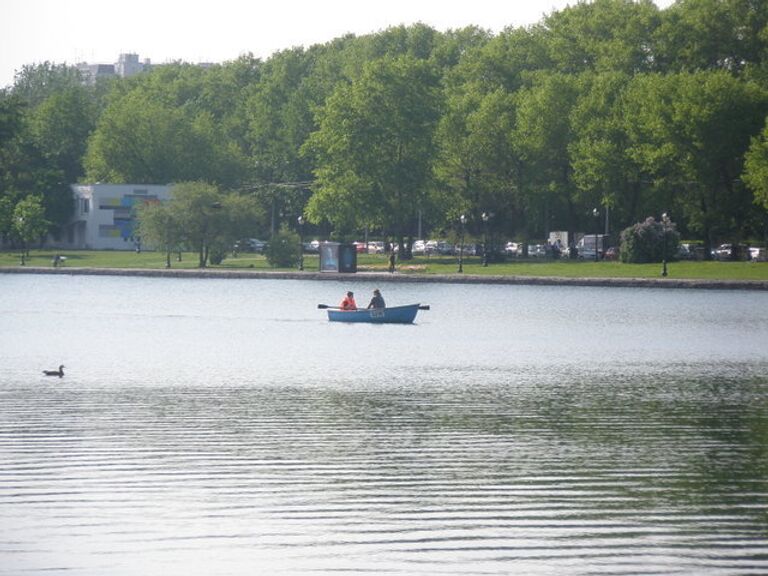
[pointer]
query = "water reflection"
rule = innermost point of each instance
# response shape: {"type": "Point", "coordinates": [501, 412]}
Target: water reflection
{"type": "Point", "coordinates": [264, 450]}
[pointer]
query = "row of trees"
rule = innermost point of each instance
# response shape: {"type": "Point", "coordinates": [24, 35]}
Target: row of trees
{"type": "Point", "coordinates": [612, 104]}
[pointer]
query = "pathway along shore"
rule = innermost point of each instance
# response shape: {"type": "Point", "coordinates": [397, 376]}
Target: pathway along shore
{"type": "Point", "coordinates": [382, 277]}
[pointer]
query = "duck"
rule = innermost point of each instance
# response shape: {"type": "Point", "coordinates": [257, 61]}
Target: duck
{"type": "Point", "coordinates": [59, 372]}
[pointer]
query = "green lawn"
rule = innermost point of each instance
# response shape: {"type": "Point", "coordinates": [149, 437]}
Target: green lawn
{"type": "Point", "coordinates": [419, 265]}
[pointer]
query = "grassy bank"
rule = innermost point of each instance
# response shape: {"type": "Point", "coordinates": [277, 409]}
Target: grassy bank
{"type": "Point", "coordinates": [420, 265]}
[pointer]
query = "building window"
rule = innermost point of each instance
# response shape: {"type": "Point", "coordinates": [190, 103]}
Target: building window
{"type": "Point", "coordinates": [86, 205]}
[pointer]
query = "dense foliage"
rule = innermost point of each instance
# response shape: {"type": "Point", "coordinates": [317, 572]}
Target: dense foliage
{"type": "Point", "coordinates": [611, 104]}
{"type": "Point", "coordinates": [198, 217]}
{"type": "Point", "coordinates": [284, 250]}
{"type": "Point", "coordinates": [649, 241]}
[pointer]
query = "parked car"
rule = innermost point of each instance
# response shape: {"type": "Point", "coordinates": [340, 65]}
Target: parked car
{"type": "Point", "coordinates": [512, 248]}
{"type": "Point", "coordinates": [537, 251]}
{"type": "Point", "coordinates": [376, 247]}
{"type": "Point", "coordinates": [757, 254]}
{"type": "Point", "coordinates": [440, 247]}
{"type": "Point", "coordinates": [419, 247]}
{"type": "Point", "coordinates": [312, 247]}
{"type": "Point", "coordinates": [730, 252]}
{"type": "Point", "coordinates": [612, 253]}
{"type": "Point", "coordinates": [360, 247]}
{"type": "Point", "coordinates": [251, 245]}
{"type": "Point", "coordinates": [690, 251]}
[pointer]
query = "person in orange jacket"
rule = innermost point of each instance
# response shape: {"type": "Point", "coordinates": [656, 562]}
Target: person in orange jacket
{"type": "Point", "coordinates": [349, 302]}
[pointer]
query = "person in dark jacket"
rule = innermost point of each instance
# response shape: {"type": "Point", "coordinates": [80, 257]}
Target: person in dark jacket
{"type": "Point", "coordinates": [377, 301]}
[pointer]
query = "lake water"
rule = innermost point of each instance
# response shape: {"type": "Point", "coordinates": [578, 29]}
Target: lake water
{"type": "Point", "coordinates": [225, 427]}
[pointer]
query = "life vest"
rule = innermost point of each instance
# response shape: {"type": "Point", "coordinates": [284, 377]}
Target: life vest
{"type": "Point", "coordinates": [348, 304]}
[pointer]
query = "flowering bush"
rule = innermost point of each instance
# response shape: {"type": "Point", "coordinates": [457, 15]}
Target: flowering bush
{"type": "Point", "coordinates": [649, 241]}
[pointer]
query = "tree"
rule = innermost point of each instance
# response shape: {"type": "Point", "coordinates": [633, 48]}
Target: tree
{"type": "Point", "coordinates": [29, 222]}
{"type": "Point", "coordinates": [375, 146]}
{"type": "Point", "coordinates": [210, 221]}
{"type": "Point", "coordinates": [602, 170]}
{"type": "Point", "coordinates": [690, 132]}
{"type": "Point", "coordinates": [24, 168]}
{"type": "Point", "coordinates": [756, 167]}
{"type": "Point", "coordinates": [60, 127]}
{"type": "Point", "coordinates": [479, 162]}
{"type": "Point", "coordinates": [712, 35]}
{"type": "Point", "coordinates": [543, 135]}
{"type": "Point", "coordinates": [280, 118]}
{"type": "Point", "coordinates": [34, 83]}
{"type": "Point", "coordinates": [160, 228]}
{"type": "Point", "coordinates": [160, 134]}
{"type": "Point", "coordinates": [603, 35]}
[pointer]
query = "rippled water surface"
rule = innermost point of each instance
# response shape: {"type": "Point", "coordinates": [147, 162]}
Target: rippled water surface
{"type": "Point", "coordinates": [225, 427]}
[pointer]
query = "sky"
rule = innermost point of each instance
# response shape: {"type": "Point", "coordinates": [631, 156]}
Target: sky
{"type": "Point", "coordinates": [97, 31]}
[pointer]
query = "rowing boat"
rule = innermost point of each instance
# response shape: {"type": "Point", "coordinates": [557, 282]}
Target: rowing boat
{"type": "Point", "coordinates": [393, 315]}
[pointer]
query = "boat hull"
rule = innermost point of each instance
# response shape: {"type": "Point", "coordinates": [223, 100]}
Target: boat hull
{"type": "Point", "coordinates": [393, 315]}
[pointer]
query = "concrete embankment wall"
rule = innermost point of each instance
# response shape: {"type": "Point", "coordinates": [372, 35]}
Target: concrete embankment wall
{"type": "Point", "coordinates": [381, 277]}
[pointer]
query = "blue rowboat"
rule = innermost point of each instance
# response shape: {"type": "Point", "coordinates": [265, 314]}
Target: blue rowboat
{"type": "Point", "coordinates": [393, 315]}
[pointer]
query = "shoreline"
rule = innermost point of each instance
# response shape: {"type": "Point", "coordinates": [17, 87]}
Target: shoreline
{"type": "Point", "coordinates": [382, 277]}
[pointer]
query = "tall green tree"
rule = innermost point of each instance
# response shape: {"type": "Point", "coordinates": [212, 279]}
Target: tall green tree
{"type": "Point", "coordinates": [479, 161]}
{"type": "Point", "coordinates": [29, 221]}
{"type": "Point", "coordinates": [543, 135]}
{"type": "Point", "coordinates": [602, 170]}
{"type": "Point", "coordinates": [210, 220]}
{"type": "Point", "coordinates": [712, 35]}
{"type": "Point", "coordinates": [159, 227]}
{"type": "Point", "coordinates": [60, 127]}
{"type": "Point", "coordinates": [35, 83]}
{"type": "Point", "coordinates": [25, 169]}
{"type": "Point", "coordinates": [603, 35]}
{"type": "Point", "coordinates": [756, 167]}
{"type": "Point", "coordinates": [146, 135]}
{"type": "Point", "coordinates": [375, 146]}
{"type": "Point", "coordinates": [690, 132]}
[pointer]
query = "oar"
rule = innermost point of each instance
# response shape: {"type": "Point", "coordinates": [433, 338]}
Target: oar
{"type": "Point", "coordinates": [424, 307]}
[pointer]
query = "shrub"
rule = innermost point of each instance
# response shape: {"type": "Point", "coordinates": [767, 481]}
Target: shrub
{"type": "Point", "coordinates": [283, 249]}
{"type": "Point", "coordinates": [649, 241]}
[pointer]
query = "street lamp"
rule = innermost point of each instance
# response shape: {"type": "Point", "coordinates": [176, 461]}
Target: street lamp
{"type": "Point", "coordinates": [300, 220]}
{"type": "Point", "coordinates": [463, 221]}
{"type": "Point", "coordinates": [22, 234]}
{"type": "Point", "coordinates": [596, 214]}
{"type": "Point", "coordinates": [485, 217]}
{"type": "Point", "coordinates": [664, 225]}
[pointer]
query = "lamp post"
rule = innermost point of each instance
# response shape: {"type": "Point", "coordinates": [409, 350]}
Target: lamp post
{"type": "Point", "coordinates": [596, 214]}
{"type": "Point", "coordinates": [463, 221]}
{"type": "Point", "coordinates": [664, 225]}
{"type": "Point", "coordinates": [300, 220]}
{"type": "Point", "coordinates": [485, 217]}
{"type": "Point", "coordinates": [22, 234]}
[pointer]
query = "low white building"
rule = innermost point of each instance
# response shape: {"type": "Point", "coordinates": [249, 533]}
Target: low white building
{"type": "Point", "coordinates": [104, 215]}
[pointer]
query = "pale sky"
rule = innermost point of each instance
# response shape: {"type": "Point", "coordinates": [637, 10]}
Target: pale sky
{"type": "Point", "coordinates": [97, 31]}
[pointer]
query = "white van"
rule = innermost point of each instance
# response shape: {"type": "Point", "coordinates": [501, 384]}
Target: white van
{"type": "Point", "coordinates": [586, 246]}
